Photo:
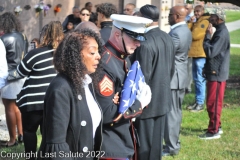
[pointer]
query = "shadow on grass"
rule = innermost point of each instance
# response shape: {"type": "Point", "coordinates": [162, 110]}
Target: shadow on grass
{"type": "Point", "coordinates": [186, 131]}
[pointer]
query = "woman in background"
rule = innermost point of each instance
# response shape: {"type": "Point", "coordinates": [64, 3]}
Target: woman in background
{"type": "Point", "coordinates": [38, 67]}
{"type": "Point", "coordinates": [16, 46]}
{"type": "Point", "coordinates": [84, 14]}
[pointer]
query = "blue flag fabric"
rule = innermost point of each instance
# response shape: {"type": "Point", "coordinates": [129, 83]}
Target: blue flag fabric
{"type": "Point", "coordinates": [133, 82]}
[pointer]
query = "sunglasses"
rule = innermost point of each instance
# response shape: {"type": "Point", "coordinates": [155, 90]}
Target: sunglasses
{"type": "Point", "coordinates": [127, 9]}
{"type": "Point", "coordinates": [84, 14]}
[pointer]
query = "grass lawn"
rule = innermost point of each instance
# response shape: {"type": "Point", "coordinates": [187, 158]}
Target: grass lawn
{"type": "Point", "coordinates": [228, 146]}
{"type": "Point", "coordinates": [232, 16]}
{"type": "Point", "coordinates": [192, 148]}
{"type": "Point", "coordinates": [234, 36]}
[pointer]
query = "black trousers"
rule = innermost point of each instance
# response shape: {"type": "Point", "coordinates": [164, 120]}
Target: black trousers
{"type": "Point", "coordinates": [150, 133]}
{"type": "Point", "coordinates": [30, 122]}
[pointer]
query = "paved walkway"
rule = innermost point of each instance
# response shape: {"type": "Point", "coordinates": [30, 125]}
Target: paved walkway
{"type": "Point", "coordinates": [3, 130]}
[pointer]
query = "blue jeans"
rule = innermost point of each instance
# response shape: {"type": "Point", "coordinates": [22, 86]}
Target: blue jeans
{"type": "Point", "coordinates": [199, 80]}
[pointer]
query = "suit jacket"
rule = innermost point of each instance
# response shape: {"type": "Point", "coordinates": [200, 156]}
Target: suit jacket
{"type": "Point", "coordinates": [156, 57]}
{"type": "Point", "coordinates": [182, 39]}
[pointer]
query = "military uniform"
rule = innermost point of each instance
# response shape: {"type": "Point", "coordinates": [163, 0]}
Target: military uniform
{"type": "Point", "coordinates": [116, 65]}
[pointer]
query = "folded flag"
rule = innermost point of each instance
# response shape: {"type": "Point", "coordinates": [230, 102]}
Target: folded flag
{"type": "Point", "coordinates": [133, 82]}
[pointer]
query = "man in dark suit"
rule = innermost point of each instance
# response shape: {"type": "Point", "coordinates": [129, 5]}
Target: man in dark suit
{"type": "Point", "coordinates": [156, 56]}
{"type": "Point", "coordinates": [182, 39]}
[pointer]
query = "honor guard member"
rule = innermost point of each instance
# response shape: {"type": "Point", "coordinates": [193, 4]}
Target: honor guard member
{"type": "Point", "coordinates": [126, 34]}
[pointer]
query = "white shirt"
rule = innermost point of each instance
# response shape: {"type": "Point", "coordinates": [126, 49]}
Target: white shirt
{"type": "Point", "coordinates": [92, 104]}
{"type": "Point", "coordinates": [149, 28]}
{"type": "Point", "coordinates": [177, 24]}
{"type": "Point", "coordinates": [3, 65]}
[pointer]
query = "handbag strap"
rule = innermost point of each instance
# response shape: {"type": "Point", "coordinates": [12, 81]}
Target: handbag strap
{"type": "Point", "coordinates": [23, 52]}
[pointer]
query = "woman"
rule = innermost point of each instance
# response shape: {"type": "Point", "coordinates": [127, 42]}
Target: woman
{"type": "Point", "coordinates": [72, 117]}
{"type": "Point", "coordinates": [84, 14]}
{"type": "Point", "coordinates": [16, 45]}
{"type": "Point", "coordinates": [38, 67]}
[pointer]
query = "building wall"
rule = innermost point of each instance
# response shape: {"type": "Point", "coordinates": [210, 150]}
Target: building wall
{"type": "Point", "coordinates": [32, 23]}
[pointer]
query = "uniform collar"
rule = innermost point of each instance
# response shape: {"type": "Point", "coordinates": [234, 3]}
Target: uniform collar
{"type": "Point", "coordinates": [106, 24]}
{"type": "Point", "coordinates": [113, 49]}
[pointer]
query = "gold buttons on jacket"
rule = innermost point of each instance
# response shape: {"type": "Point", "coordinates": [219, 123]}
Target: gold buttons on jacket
{"type": "Point", "coordinates": [83, 123]}
{"type": "Point", "coordinates": [85, 149]}
{"type": "Point", "coordinates": [79, 97]}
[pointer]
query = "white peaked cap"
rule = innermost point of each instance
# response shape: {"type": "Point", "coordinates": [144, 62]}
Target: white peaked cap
{"type": "Point", "coordinates": [132, 23]}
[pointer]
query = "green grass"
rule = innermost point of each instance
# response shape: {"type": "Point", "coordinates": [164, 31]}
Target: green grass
{"type": "Point", "coordinates": [235, 62]}
{"type": "Point", "coordinates": [232, 16]}
{"type": "Point", "coordinates": [192, 148]}
{"type": "Point", "coordinates": [228, 146]}
{"type": "Point", "coordinates": [234, 36]}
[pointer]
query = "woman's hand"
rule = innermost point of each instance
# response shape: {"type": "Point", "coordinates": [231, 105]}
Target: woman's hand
{"type": "Point", "coordinates": [116, 98]}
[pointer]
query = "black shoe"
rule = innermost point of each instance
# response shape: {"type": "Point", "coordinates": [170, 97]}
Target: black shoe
{"type": "Point", "coordinates": [197, 108]}
{"type": "Point", "coordinates": [190, 107]}
{"type": "Point", "coordinates": [220, 131]}
{"type": "Point", "coordinates": [20, 138]}
{"type": "Point", "coordinates": [7, 144]}
{"type": "Point", "coordinates": [209, 136]}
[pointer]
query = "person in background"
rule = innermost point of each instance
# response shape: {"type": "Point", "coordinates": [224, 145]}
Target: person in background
{"type": "Point", "coordinates": [3, 66]}
{"type": "Point", "coordinates": [189, 18]}
{"type": "Point", "coordinates": [74, 18]}
{"type": "Point", "coordinates": [38, 67]}
{"type": "Point", "coordinates": [16, 46]}
{"type": "Point", "coordinates": [155, 55]}
{"type": "Point", "coordinates": [190, 15]}
{"type": "Point", "coordinates": [126, 34]}
{"type": "Point", "coordinates": [34, 44]}
{"type": "Point", "coordinates": [198, 56]}
{"type": "Point", "coordinates": [182, 38]}
{"type": "Point", "coordinates": [129, 9]}
{"type": "Point", "coordinates": [104, 11]}
{"type": "Point", "coordinates": [72, 117]}
{"type": "Point", "coordinates": [36, 41]}
{"type": "Point", "coordinates": [217, 49]}
{"type": "Point", "coordinates": [93, 16]}
{"type": "Point", "coordinates": [84, 14]}
{"type": "Point", "coordinates": [70, 27]}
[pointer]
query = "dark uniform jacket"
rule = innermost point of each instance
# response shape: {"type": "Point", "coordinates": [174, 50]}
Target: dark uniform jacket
{"type": "Point", "coordinates": [68, 126]}
{"type": "Point", "coordinates": [156, 57]}
{"type": "Point", "coordinates": [217, 49]}
{"type": "Point", "coordinates": [106, 28]}
{"type": "Point", "coordinates": [16, 45]}
{"type": "Point", "coordinates": [117, 141]}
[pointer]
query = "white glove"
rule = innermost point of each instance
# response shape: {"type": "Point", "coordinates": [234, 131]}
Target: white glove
{"type": "Point", "coordinates": [144, 95]}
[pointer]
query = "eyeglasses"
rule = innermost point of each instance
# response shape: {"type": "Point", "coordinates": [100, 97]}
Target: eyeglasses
{"type": "Point", "coordinates": [126, 9]}
{"type": "Point", "coordinates": [84, 14]}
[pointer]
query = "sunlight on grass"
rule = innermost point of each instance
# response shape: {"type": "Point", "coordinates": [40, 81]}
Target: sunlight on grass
{"type": "Point", "coordinates": [234, 36]}
{"type": "Point", "coordinates": [232, 16]}
{"type": "Point", "coordinates": [235, 62]}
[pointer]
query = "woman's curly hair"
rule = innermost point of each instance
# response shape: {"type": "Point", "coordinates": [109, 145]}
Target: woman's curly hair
{"type": "Point", "coordinates": [9, 22]}
{"type": "Point", "coordinates": [68, 58]}
{"type": "Point", "coordinates": [51, 34]}
{"type": "Point", "coordinates": [107, 9]}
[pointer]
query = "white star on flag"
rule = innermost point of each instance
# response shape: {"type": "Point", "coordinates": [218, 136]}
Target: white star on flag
{"type": "Point", "coordinates": [126, 103]}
